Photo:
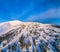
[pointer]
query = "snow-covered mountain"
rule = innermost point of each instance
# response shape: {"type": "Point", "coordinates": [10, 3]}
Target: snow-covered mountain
{"type": "Point", "coordinates": [17, 36]}
{"type": "Point", "coordinates": [7, 26]}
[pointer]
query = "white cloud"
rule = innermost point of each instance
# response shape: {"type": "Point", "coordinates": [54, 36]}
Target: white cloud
{"type": "Point", "coordinates": [24, 12]}
{"type": "Point", "coordinates": [51, 13]}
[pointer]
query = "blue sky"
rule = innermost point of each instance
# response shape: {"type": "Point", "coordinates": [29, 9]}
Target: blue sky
{"type": "Point", "coordinates": [45, 11]}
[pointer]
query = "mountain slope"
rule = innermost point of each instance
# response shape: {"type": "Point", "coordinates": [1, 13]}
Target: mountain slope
{"type": "Point", "coordinates": [29, 37]}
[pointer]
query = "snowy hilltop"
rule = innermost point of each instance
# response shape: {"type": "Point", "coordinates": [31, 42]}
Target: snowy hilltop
{"type": "Point", "coordinates": [18, 36]}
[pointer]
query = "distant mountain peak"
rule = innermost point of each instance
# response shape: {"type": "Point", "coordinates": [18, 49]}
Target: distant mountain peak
{"type": "Point", "coordinates": [15, 22]}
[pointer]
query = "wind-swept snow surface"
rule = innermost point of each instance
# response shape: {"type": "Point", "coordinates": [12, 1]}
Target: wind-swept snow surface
{"type": "Point", "coordinates": [7, 26]}
{"type": "Point", "coordinates": [17, 36]}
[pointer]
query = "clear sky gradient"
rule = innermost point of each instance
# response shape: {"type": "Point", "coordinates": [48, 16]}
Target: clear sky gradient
{"type": "Point", "coordinates": [45, 11]}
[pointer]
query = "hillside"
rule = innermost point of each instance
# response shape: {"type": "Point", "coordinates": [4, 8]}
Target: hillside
{"type": "Point", "coordinates": [17, 36]}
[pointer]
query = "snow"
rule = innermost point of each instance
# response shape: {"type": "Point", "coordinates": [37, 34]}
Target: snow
{"type": "Point", "coordinates": [28, 37]}
{"type": "Point", "coordinates": [6, 26]}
